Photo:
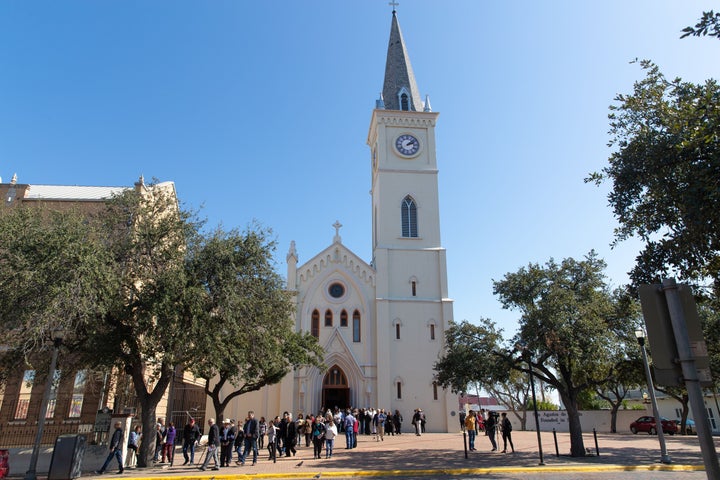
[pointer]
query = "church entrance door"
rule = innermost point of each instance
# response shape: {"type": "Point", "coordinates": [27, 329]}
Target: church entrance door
{"type": "Point", "coordinates": [335, 392]}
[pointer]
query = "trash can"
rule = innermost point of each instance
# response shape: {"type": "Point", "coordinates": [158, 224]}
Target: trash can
{"type": "Point", "coordinates": [66, 461]}
{"type": "Point", "coordinates": [4, 463]}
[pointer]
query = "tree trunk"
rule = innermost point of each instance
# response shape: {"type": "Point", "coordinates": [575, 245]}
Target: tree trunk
{"type": "Point", "coordinates": [613, 416]}
{"type": "Point", "coordinates": [577, 446]}
{"type": "Point", "coordinates": [147, 444]}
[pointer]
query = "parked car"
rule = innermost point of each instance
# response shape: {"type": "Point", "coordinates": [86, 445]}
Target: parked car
{"type": "Point", "coordinates": [689, 426]}
{"type": "Point", "coordinates": [647, 424]}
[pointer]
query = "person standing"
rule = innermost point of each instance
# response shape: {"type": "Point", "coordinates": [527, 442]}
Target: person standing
{"type": "Point", "coordinates": [506, 427]}
{"type": "Point", "coordinates": [132, 448]}
{"type": "Point", "coordinates": [160, 432]}
{"type": "Point", "coordinates": [290, 436]}
{"type": "Point", "coordinates": [169, 446]}
{"type": "Point", "coordinates": [115, 450]}
{"type": "Point", "coordinates": [397, 422]}
{"type": "Point", "coordinates": [490, 426]}
{"type": "Point", "coordinates": [416, 419]}
{"type": "Point", "coordinates": [470, 427]}
{"type": "Point", "coordinates": [212, 446]}
{"type": "Point", "coordinates": [381, 419]}
{"type": "Point", "coordinates": [349, 430]}
{"type": "Point", "coordinates": [330, 434]}
{"type": "Point", "coordinates": [250, 435]}
{"type": "Point", "coordinates": [272, 439]}
{"type": "Point", "coordinates": [262, 425]}
{"type": "Point", "coordinates": [191, 435]}
{"type": "Point", "coordinates": [318, 436]}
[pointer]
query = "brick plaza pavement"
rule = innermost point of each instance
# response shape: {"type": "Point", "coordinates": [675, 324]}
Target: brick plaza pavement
{"type": "Point", "coordinates": [436, 454]}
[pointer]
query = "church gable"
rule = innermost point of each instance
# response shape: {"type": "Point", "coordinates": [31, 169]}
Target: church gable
{"type": "Point", "coordinates": [336, 257]}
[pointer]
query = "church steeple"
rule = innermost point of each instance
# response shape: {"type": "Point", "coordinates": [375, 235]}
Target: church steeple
{"type": "Point", "coordinates": [400, 92]}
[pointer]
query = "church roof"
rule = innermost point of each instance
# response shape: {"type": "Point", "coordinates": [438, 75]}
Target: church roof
{"type": "Point", "coordinates": [71, 192]}
{"type": "Point", "coordinates": [399, 73]}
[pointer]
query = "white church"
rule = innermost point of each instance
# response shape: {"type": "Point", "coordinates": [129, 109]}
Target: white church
{"type": "Point", "coordinates": [380, 322]}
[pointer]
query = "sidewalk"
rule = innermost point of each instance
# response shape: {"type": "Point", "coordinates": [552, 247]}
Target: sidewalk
{"type": "Point", "coordinates": [430, 454]}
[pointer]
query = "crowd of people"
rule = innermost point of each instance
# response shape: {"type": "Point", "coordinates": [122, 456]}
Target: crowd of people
{"type": "Point", "coordinates": [283, 434]}
{"type": "Point", "coordinates": [489, 422]}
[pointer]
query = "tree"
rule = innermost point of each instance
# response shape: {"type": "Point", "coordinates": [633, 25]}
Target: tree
{"type": "Point", "coordinates": [628, 375]}
{"type": "Point", "coordinates": [154, 302]}
{"type": "Point", "coordinates": [569, 324]}
{"type": "Point", "coordinates": [514, 392]}
{"type": "Point", "coordinates": [664, 171]}
{"type": "Point", "coordinates": [53, 267]}
{"type": "Point", "coordinates": [252, 342]}
{"type": "Point", "coordinates": [470, 356]}
{"type": "Point", "coordinates": [708, 24]}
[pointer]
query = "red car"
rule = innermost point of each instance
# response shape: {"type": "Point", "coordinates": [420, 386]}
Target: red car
{"type": "Point", "coordinates": [647, 424]}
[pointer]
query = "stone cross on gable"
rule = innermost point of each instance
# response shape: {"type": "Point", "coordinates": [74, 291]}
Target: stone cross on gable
{"type": "Point", "coordinates": [337, 226]}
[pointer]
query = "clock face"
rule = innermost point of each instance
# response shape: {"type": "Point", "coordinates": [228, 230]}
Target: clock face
{"type": "Point", "coordinates": [407, 145]}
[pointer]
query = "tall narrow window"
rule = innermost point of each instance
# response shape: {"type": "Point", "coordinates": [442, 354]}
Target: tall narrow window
{"type": "Point", "coordinates": [399, 390]}
{"type": "Point", "coordinates": [404, 102]}
{"type": "Point", "coordinates": [315, 324]}
{"type": "Point", "coordinates": [414, 288]}
{"type": "Point", "coordinates": [343, 318]}
{"type": "Point", "coordinates": [356, 326]}
{"type": "Point", "coordinates": [408, 214]}
{"type": "Point", "coordinates": [397, 331]}
{"type": "Point", "coordinates": [328, 318]}
{"type": "Point", "coordinates": [432, 331]}
{"type": "Point", "coordinates": [78, 394]}
{"type": "Point", "coordinates": [435, 393]}
{"type": "Point", "coordinates": [21, 411]}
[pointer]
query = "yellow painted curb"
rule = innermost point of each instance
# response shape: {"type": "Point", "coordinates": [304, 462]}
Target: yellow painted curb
{"type": "Point", "coordinates": [449, 471]}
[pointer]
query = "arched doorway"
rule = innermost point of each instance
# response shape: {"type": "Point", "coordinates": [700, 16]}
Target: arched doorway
{"type": "Point", "coordinates": [335, 389]}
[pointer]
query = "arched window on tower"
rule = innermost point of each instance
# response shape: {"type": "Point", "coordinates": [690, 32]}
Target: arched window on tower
{"type": "Point", "coordinates": [328, 318]}
{"type": "Point", "coordinates": [404, 102]}
{"type": "Point", "coordinates": [408, 214]}
{"type": "Point", "coordinates": [343, 318]}
{"type": "Point", "coordinates": [356, 326]}
{"type": "Point", "coordinates": [315, 324]}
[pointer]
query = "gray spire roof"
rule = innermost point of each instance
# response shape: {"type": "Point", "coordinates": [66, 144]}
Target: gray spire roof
{"type": "Point", "coordinates": [399, 76]}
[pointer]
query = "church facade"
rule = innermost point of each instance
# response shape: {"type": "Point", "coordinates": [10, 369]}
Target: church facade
{"type": "Point", "coordinates": [382, 321]}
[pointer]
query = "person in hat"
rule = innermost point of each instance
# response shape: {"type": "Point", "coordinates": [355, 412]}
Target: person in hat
{"type": "Point", "coordinates": [225, 444]}
{"type": "Point", "coordinates": [191, 436]}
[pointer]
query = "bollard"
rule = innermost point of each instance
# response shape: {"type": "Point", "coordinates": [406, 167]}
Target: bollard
{"type": "Point", "coordinates": [557, 452]}
{"type": "Point", "coordinates": [597, 449]}
{"type": "Point", "coordinates": [465, 442]}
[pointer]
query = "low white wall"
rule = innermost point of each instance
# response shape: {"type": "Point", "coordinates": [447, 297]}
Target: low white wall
{"type": "Point", "coordinates": [589, 419]}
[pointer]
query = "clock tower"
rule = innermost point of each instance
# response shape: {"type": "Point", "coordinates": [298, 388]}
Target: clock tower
{"type": "Point", "coordinates": [412, 305]}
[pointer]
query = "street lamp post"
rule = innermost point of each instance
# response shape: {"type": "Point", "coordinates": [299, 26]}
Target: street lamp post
{"type": "Point", "coordinates": [528, 359]}
{"type": "Point", "coordinates": [57, 338]}
{"type": "Point", "coordinates": [664, 457]}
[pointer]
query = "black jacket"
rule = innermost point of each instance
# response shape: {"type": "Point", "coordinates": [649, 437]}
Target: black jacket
{"type": "Point", "coordinates": [214, 435]}
{"type": "Point", "coordinates": [191, 433]}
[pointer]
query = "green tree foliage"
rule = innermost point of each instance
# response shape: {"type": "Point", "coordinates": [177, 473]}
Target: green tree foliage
{"type": "Point", "coordinates": [664, 171]}
{"type": "Point", "coordinates": [709, 24]}
{"type": "Point", "coordinates": [569, 326]}
{"type": "Point", "coordinates": [470, 356]}
{"type": "Point", "coordinates": [53, 274]}
{"type": "Point", "coordinates": [247, 338]}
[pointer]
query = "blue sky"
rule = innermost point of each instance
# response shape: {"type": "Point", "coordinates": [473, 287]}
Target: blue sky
{"type": "Point", "coordinates": [260, 111]}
